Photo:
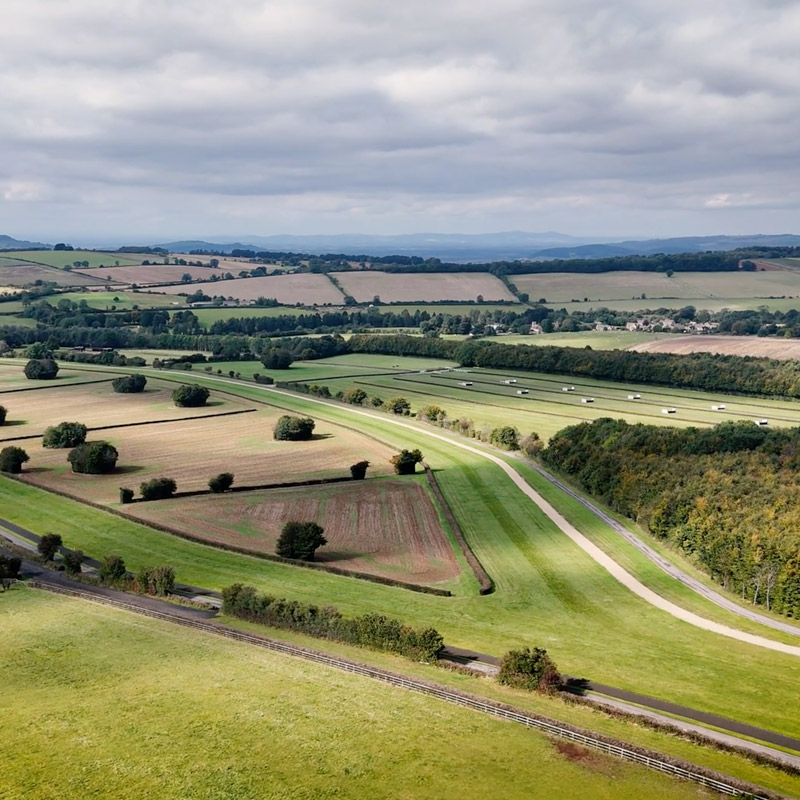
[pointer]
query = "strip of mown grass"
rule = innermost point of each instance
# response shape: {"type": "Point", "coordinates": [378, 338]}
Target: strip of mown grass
{"type": "Point", "coordinates": [149, 708]}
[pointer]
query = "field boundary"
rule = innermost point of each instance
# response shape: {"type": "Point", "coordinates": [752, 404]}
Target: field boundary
{"type": "Point", "coordinates": [484, 579]}
{"type": "Point", "coordinates": [139, 424]}
{"type": "Point", "coordinates": [719, 782]}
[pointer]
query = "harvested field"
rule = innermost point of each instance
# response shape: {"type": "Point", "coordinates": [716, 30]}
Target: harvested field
{"type": "Point", "coordinates": [193, 451]}
{"type": "Point", "coordinates": [150, 274]}
{"type": "Point", "coordinates": [301, 287]}
{"type": "Point", "coordinates": [22, 274]}
{"type": "Point", "coordinates": [388, 527]}
{"type": "Point", "coordinates": [12, 377]}
{"type": "Point", "coordinates": [394, 287]}
{"type": "Point", "coordinates": [761, 346]}
{"type": "Point", "coordinates": [96, 405]}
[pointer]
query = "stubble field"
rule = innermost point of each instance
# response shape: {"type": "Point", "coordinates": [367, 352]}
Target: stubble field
{"type": "Point", "coordinates": [149, 274]}
{"type": "Point", "coordinates": [398, 287]}
{"type": "Point", "coordinates": [757, 346]}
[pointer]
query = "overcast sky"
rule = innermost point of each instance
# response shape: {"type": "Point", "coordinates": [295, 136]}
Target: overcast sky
{"type": "Point", "coordinates": [147, 119]}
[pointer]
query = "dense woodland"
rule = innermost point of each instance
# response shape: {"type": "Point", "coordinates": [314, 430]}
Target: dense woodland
{"type": "Point", "coordinates": [728, 496]}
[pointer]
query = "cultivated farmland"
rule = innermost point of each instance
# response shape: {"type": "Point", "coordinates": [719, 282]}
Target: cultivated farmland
{"type": "Point", "coordinates": [192, 451]}
{"type": "Point", "coordinates": [170, 712]}
{"type": "Point", "coordinates": [388, 527]}
{"type": "Point", "coordinates": [396, 287]}
{"type": "Point", "coordinates": [301, 287]}
{"type": "Point", "coordinates": [149, 274]}
{"type": "Point", "coordinates": [12, 377]}
{"type": "Point", "coordinates": [758, 346]}
{"type": "Point", "coordinates": [22, 274]}
{"type": "Point", "coordinates": [62, 258]}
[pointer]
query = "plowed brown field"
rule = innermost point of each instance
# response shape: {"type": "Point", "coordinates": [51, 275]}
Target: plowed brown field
{"type": "Point", "coordinates": [763, 346]}
{"type": "Point", "coordinates": [193, 451]}
{"type": "Point", "coordinates": [388, 527]}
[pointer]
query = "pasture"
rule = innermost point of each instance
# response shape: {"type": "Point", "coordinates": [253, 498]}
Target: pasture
{"type": "Point", "coordinates": [121, 300]}
{"type": "Point", "coordinates": [155, 709]}
{"type": "Point", "coordinates": [397, 287]}
{"type": "Point", "coordinates": [192, 451]}
{"type": "Point", "coordinates": [94, 404]}
{"type": "Point", "coordinates": [547, 409]}
{"type": "Point", "coordinates": [61, 258]}
{"type": "Point", "coordinates": [305, 288]}
{"type": "Point", "coordinates": [698, 287]}
{"type": "Point", "coordinates": [149, 274]}
{"type": "Point", "coordinates": [757, 346]}
{"type": "Point", "coordinates": [389, 526]}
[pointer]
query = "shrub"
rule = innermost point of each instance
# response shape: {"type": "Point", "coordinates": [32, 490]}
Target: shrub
{"type": "Point", "coordinates": [359, 470]}
{"type": "Point", "coordinates": [300, 540]}
{"type": "Point", "coordinates": [41, 369]}
{"type": "Point", "coordinates": [3, 413]}
{"type": "Point", "coordinates": [506, 437]}
{"type": "Point", "coordinates": [158, 489]}
{"type": "Point", "coordinates": [277, 358]}
{"type": "Point", "coordinates": [93, 458]}
{"type": "Point", "coordinates": [159, 581]}
{"type": "Point", "coordinates": [72, 562]}
{"type": "Point", "coordinates": [48, 545]}
{"type": "Point", "coordinates": [129, 384]}
{"type": "Point", "coordinates": [405, 462]}
{"type": "Point", "coordinates": [112, 569]}
{"type": "Point", "coordinates": [190, 396]}
{"type": "Point", "coordinates": [9, 569]}
{"type": "Point", "coordinates": [398, 405]}
{"type": "Point", "coordinates": [355, 396]}
{"type": "Point", "coordinates": [125, 495]}
{"type": "Point", "coordinates": [221, 483]}
{"type": "Point", "coordinates": [433, 414]}
{"type": "Point", "coordinates": [293, 429]}
{"type": "Point", "coordinates": [12, 459]}
{"type": "Point", "coordinates": [529, 669]}
{"type": "Point", "coordinates": [65, 434]}
{"type": "Point", "coordinates": [531, 445]}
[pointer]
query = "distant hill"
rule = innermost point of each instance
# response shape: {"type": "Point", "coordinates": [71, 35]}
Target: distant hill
{"type": "Point", "coordinates": [9, 243]}
{"type": "Point", "coordinates": [484, 247]}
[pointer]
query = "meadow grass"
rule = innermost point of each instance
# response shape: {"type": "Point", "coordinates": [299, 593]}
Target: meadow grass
{"type": "Point", "coordinates": [106, 704]}
{"type": "Point", "coordinates": [123, 301]}
{"type": "Point", "coordinates": [58, 258]}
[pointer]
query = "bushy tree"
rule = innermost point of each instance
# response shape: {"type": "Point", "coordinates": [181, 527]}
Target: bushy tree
{"type": "Point", "coordinates": [129, 384]}
{"type": "Point", "coordinates": [300, 540]}
{"type": "Point", "coordinates": [529, 669]}
{"type": "Point", "coordinates": [506, 437]}
{"type": "Point", "coordinates": [190, 396]}
{"type": "Point", "coordinates": [65, 434]}
{"type": "Point", "coordinates": [355, 396]}
{"type": "Point", "coordinates": [531, 445]}
{"type": "Point", "coordinates": [3, 413]}
{"type": "Point", "coordinates": [73, 559]}
{"type": "Point", "coordinates": [293, 429]}
{"type": "Point", "coordinates": [93, 458]}
{"type": "Point", "coordinates": [158, 489]}
{"type": "Point", "coordinates": [125, 495]}
{"type": "Point", "coordinates": [40, 369]}
{"type": "Point", "coordinates": [359, 470]}
{"type": "Point", "coordinates": [48, 545]}
{"type": "Point", "coordinates": [433, 414]}
{"type": "Point", "coordinates": [398, 405]}
{"type": "Point", "coordinates": [221, 483]}
{"type": "Point", "coordinates": [112, 569]}
{"type": "Point", "coordinates": [405, 462]}
{"type": "Point", "coordinates": [9, 569]}
{"type": "Point", "coordinates": [159, 581]}
{"type": "Point", "coordinates": [12, 458]}
{"type": "Point", "coordinates": [277, 358]}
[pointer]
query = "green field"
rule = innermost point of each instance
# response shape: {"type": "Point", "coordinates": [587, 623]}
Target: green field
{"type": "Point", "coordinates": [706, 304]}
{"type": "Point", "coordinates": [13, 319]}
{"type": "Point", "coordinates": [450, 308]}
{"type": "Point", "coordinates": [150, 708]}
{"type": "Point", "coordinates": [597, 340]}
{"type": "Point", "coordinates": [548, 591]}
{"type": "Point", "coordinates": [124, 301]}
{"type": "Point", "coordinates": [207, 316]}
{"type": "Point", "coordinates": [60, 258]}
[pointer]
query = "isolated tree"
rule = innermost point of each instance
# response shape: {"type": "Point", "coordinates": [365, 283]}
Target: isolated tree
{"type": "Point", "coordinates": [112, 569]}
{"type": "Point", "coordinates": [355, 396]}
{"type": "Point", "coordinates": [405, 462]}
{"type": "Point", "coordinates": [40, 369]}
{"type": "Point", "coordinates": [221, 483]}
{"type": "Point", "coordinates": [72, 562]}
{"type": "Point", "coordinates": [48, 545]}
{"type": "Point", "coordinates": [9, 570]}
{"type": "Point", "coordinates": [12, 458]}
{"type": "Point", "coordinates": [3, 413]}
{"type": "Point", "coordinates": [65, 434]}
{"type": "Point", "coordinates": [359, 470]}
{"type": "Point", "coordinates": [293, 429]}
{"type": "Point", "coordinates": [529, 669]}
{"type": "Point", "coordinates": [158, 488]}
{"type": "Point", "coordinates": [129, 384]}
{"type": "Point", "coordinates": [190, 396]}
{"type": "Point", "coordinates": [125, 495]}
{"type": "Point", "coordinates": [398, 405]}
{"type": "Point", "coordinates": [506, 437]}
{"type": "Point", "coordinates": [300, 540]}
{"type": "Point", "coordinates": [93, 458]}
{"type": "Point", "coordinates": [277, 358]}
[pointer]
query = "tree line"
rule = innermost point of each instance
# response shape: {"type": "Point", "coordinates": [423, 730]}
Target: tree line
{"type": "Point", "coordinates": [728, 496]}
